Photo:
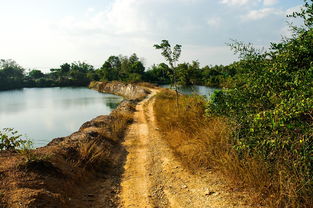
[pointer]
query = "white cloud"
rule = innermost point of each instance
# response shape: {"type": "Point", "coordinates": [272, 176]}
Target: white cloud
{"type": "Point", "coordinates": [235, 2]}
{"type": "Point", "coordinates": [214, 22]}
{"type": "Point", "coordinates": [261, 13]}
{"type": "Point", "coordinates": [124, 17]}
{"type": "Point", "coordinates": [293, 9]}
{"type": "Point", "coordinates": [93, 33]}
{"type": "Point", "coordinates": [207, 55]}
{"type": "Point", "coordinates": [245, 2]}
{"type": "Point", "coordinates": [90, 10]}
{"type": "Point", "coordinates": [269, 2]}
{"type": "Point", "coordinates": [285, 31]}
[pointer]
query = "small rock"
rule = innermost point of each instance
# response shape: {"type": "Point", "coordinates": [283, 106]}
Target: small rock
{"type": "Point", "coordinates": [184, 186]}
{"type": "Point", "coordinates": [208, 193]}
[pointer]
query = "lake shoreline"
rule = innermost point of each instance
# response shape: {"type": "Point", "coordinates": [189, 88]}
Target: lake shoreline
{"type": "Point", "coordinates": [52, 112]}
{"type": "Point", "coordinates": [69, 163]}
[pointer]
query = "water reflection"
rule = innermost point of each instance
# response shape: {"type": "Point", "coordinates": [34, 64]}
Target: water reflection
{"type": "Point", "coordinates": [195, 89]}
{"type": "Point", "coordinates": [112, 105]}
{"type": "Point", "coordinates": [46, 113]}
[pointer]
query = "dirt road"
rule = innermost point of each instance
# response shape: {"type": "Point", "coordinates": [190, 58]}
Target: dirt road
{"type": "Point", "coordinates": [154, 178]}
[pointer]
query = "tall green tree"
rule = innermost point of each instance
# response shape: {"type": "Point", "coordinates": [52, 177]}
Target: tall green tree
{"type": "Point", "coordinates": [111, 69]}
{"type": "Point", "coordinates": [189, 73]}
{"type": "Point", "coordinates": [36, 74]}
{"type": "Point", "coordinates": [158, 74]}
{"type": "Point", "coordinates": [11, 74]}
{"type": "Point", "coordinates": [171, 55]}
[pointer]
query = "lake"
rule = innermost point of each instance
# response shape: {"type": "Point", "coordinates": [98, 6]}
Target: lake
{"type": "Point", "coordinates": [195, 89]}
{"type": "Point", "coordinates": [46, 113]}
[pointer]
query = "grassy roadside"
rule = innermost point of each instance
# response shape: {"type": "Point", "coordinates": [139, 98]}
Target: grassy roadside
{"type": "Point", "coordinates": [201, 141]}
{"type": "Point", "coordinates": [186, 129]}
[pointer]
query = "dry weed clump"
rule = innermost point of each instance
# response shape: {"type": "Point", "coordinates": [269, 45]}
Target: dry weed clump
{"type": "Point", "coordinates": [97, 152]}
{"type": "Point", "coordinates": [93, 154]}
{"type": "Point", "coordinates": [121, 120]}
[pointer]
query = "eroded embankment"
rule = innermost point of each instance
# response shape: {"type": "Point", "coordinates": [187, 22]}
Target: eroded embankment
{"type": "Point", "coordinates": [128, 91]}
{"type": "Point", "coordinates": [67, 172]}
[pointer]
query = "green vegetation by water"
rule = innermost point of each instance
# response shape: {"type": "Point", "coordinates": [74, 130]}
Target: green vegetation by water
{"type": "Point", "coordinates": [268, 103]}
{"type": "Point", "coordinates": [121, 68]}
{"type": "Point", "coordinates": [271, 106]}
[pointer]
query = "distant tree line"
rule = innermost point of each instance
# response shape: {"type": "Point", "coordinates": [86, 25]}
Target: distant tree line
{"type": "Point", "coordinates": [13, 76]}
{"type": "Point", "coordinates": [121, 68]}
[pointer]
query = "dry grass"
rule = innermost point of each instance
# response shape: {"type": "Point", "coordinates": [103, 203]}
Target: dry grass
{"type": "Point", "coordinates": [199, 142]}
{"type": "Point", "coordinates": [147, 84]}
{"type": "Point", "coordinates": [97, 152]}
{"type": "Point", "coordinates": [92, 154]}
{"type": "Point", "coordinates": [121, 120]}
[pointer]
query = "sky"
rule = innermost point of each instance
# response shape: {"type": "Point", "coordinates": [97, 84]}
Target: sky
{"type": "Point", "coordinates": [44, 34]}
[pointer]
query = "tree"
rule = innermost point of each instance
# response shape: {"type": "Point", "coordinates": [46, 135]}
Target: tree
{"type": "Point", "coordinates": [188, 74]}
{"type": "Point", "coordinates": [306, 13]}
{"type": "Point", "coordinates": [65, 68]}
{"type": "Point", "coordinates": [272, 105]}
{"type": "Point", "coordinates": [136, 65]}
{"type": "Point", "coordinates": [158, 74]}
{"type": "Point", "coordinates": [11, 74]}
{"type": "Point", "coordinates": [171, 56]}
{"type": "Point", "coordinates": [35, 74]}
{"type": "Point", "coordinates": [111, 69]}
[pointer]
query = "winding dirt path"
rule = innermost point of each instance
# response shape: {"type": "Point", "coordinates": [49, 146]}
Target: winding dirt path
{"type": "Point", "coordinates": [154, 178]}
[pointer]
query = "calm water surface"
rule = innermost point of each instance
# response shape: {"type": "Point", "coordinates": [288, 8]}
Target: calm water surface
{"type": "Point", "coordinates": [46, 113]}
{"type": "Point", "coordinates": [195, 89]}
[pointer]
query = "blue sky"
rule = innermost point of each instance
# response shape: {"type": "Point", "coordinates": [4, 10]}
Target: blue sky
{"type": "Point", "coordinates": [47, 33]}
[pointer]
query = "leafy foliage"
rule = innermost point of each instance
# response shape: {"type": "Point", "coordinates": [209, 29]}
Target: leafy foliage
{"type": "Point", "coordinates": [11, 140]}
{"type": "Point", "coordinates": [122, 68]}
{"type": "Point", "coordinates": [271, 105]}
{"type": "Point", "coordinates": [11, 74]}
{"type": "Point", "coordinates": [171, 56]}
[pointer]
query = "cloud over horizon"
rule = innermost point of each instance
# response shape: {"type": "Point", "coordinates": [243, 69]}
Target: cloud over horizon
{"type": "Point", "coordinates": [48, 36]}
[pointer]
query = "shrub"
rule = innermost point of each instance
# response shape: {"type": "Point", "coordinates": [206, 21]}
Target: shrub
{"type": "Point", "coordinates": [271, 106]}
{"type": "Point", "coordinates": [11, 140]}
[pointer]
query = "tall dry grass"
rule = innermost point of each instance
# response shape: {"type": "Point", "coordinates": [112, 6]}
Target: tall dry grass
{"type": "Point", "coordinates": [92, 154]}
{"type": "Point", "coordinates": [118, 126]}
{"type": "Point", "coordinates": [199, 141]}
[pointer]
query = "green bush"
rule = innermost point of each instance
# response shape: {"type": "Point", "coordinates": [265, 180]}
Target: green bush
{"type": "Point", "coordinates": [11, 140]}
{"type": "Point", "coordinates": [272, 106]}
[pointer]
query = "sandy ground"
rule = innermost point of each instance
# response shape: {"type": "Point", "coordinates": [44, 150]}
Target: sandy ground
{"type": "Point", "coordinates": [153, 177]}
